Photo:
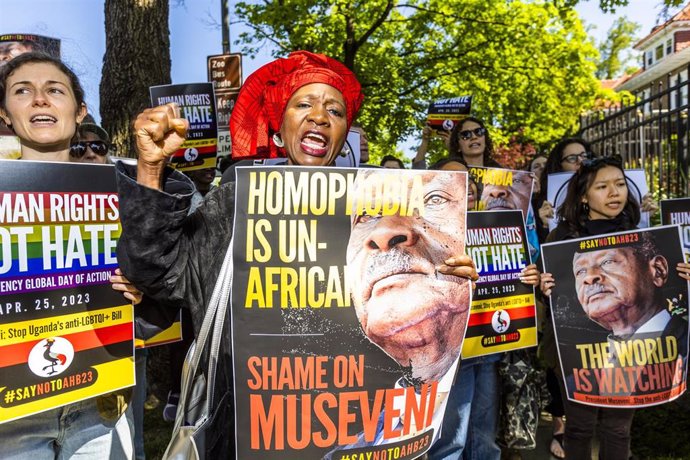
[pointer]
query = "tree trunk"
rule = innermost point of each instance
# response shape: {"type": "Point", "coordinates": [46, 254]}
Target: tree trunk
{"type": "Point", "coordinates": [137, 55]}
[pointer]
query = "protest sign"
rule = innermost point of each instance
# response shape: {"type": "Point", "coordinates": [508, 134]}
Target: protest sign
{"type": "Point", "coordinates": [12, 45]}
{"type": "Point", "coordinates": [557, 189]}
{"type": "Point", "coordinates": [619, 311]}
{"type": "Point", "coordinates": [65, 334]}
{"type": "Point", "coordinates": [443, 114]}
{"type": "Point", "coordinates": [502, 189]}
{"type": "Point", "coordinates": [503, 314]}
{"type": "Point", "coordinates": [346, 338]}
{"type": "Point", "coordinates": [677, 212]}
{"type": "Point", "coordinates": [198, 106]}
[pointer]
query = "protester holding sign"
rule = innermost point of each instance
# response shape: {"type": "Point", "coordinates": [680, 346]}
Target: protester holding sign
{"type": "Point", "coordinates": [469, 140]}
{"type": "Point", "coordinates": [597, 202]}
{"type": "Point", "coordinates": [300, 108]}
{"type": "Point", "coordinates": [42, 102]}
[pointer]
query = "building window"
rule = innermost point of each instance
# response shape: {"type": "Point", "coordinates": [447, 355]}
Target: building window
{"type": "Point", "coordinates": [650, 58]}
{"type": "Point", "coordinates": [669, 46]}
{"type": "Point", "coordinates": [659, 52]}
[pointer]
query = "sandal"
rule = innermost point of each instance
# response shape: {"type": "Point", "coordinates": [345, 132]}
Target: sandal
{"type": "Point", "coordinates": [559, 439]}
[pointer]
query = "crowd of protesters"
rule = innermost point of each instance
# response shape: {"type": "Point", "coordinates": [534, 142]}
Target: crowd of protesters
{"type": "Point", "coordinates": [301, 109]}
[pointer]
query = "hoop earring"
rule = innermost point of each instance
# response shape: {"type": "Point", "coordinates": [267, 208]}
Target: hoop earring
{"type": "Point", "coordinates": [278, 141]}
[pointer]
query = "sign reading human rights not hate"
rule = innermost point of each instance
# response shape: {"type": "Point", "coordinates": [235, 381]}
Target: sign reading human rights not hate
{"type": "Point", "coordinates": [503, 315]}
{"type": "Point", "coordinates": [198, 106]}
{"type": "Point", "coordinates": [65, 334]}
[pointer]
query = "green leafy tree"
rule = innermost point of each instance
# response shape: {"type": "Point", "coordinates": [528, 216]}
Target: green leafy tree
{"type": "Point", "coordinates": [529, 65]}
{"type": "Point", "coordinates": [614, 51]}
{"type": "Point", "coordinates": [609, 6]}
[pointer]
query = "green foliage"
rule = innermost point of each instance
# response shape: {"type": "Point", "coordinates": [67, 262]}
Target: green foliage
{"type": "Point", "coordinates": [609, 6]}
{"type": "Point", "coordinates": [615, 49]}
{"type": "Point", "coordinates": [528, 64]}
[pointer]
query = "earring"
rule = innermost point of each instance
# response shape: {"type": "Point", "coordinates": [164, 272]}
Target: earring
{"type": "Point", "coordinates": [585, 207]}
{"type": "Point", "coordinates": [278, 141]}
{"type": "Point", "coordinates": [345, 152]}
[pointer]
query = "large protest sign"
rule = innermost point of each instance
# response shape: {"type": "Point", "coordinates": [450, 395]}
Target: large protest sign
{"type": "Point", "coordinates": [620, 310]}
{"type": "Point", "coordinates": [346, 337]}
{"type": "Point", "coordinates": [65, 334]}
{"type": "Point", "coordinates": [503, 315]}
{"type": "Point", "coordinates": [197, 104]}
{"type": "Point", "coordinates": [443, 114]}
{"type": "Point", "coordinates": [677, 212]}
{"type": "Point", "coordinates": [557, 189]}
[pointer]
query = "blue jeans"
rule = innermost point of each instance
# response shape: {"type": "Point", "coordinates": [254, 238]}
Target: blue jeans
{"type": "Point", "coordinates": [471, 419]}
{"type": "Point", "coordinates": [75, 431]}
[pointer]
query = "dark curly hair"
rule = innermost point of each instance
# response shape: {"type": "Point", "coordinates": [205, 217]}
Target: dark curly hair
{"type": "Point", "coordinates": [454, 143]}
{"type": "Point", "coordinates": [574, 213]}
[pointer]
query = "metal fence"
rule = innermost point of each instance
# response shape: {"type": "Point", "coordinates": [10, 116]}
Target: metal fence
{"type": "Point", "coordinates": [650, 133]}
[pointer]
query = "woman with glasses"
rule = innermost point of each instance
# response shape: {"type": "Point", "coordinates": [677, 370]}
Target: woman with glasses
{"type": "Point", "coordinates": [469, 140]}
{"type": "Point", "coordinates": [566, 156]}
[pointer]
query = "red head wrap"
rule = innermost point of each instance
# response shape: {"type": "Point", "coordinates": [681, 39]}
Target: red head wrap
{"type": "Point", "coordinates": [258, 112]}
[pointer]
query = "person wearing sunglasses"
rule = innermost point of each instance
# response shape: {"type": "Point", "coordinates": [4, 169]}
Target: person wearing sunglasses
{"type": "Point", "coordinates": [93, 145]}
{"type": "Point", "coordinates": [469, 140]}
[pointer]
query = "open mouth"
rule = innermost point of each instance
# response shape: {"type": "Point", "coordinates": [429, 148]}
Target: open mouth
{"type": "Point", "coordinates": [43, 119]}
{"type": "Point", "coordinates": [314, 143]}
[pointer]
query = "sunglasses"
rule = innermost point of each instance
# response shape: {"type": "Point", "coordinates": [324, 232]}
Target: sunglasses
{"type": "Point", "coordinates": [577, 158]}
{"type": "Point", "coordinates": [467, 134]}
{"type": "Point", "coordinates": [78, 149]}
{"type": "Point", "coordinates": [613, 160]}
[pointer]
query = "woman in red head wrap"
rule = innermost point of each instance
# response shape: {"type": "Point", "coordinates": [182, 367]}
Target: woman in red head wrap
{"type": "Point", "coordinates": [300, 107]}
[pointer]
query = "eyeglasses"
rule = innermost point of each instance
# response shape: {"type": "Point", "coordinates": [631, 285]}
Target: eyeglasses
{"type": "Point", "coordinates": [467, 134]}
{"type": "Point", "coordinates": [613, 160]}
{"type": "Point", "coordinates": [78, 149]}
{"type": "Point", "coordinates": [577, 158]}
